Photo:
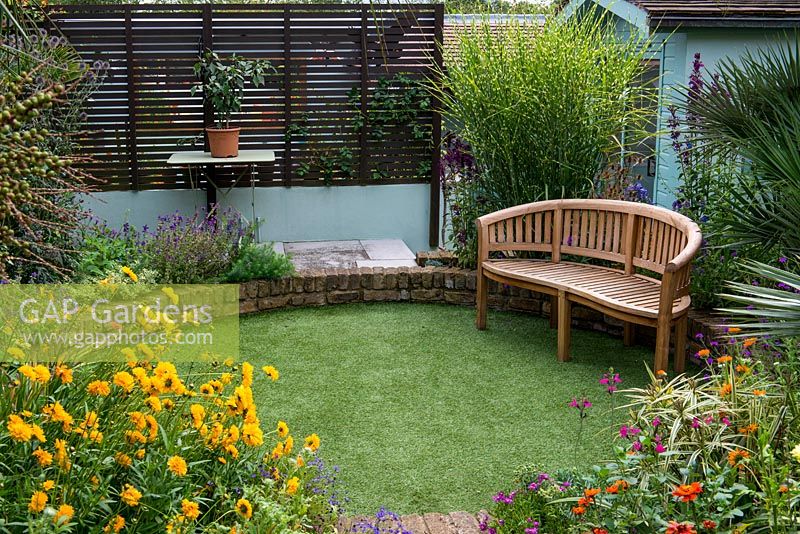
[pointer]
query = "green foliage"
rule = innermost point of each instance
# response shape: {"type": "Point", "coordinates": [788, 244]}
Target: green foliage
{"type": "Point", "coordinates": [768, 309]}
{"type": "Point", "coordinates": [751, 114]}
{"type": "Point", "coordinates": [544, 114]}
{"type": "Point", "coordinates": [259, 262]}
{"type": "Point", "coordinates": [34, 221]}
{"type": "Point", "coordinates": [462, 190]}
{"type": "Point", "coordinates": [330, 163]}
{"type": "Point", "coordinates": [43, 89]}
{"type": "Point", "coordinates": [717, 452]}
{"type": "Point", "coordinates": [117, 427]}
{"type": "Point", "coordinates": [498, 6]}
{"type": "Point", "coordinates": [103, 250]}
{"type": "Point", "coordinates": [222, 83]}
{"type": "Point", "coordinates": [717, 181]}
{"type": "Point", "coordinates": [193, 249]}
{"type": "Point", "coordinates": [397, 102]}
{"type": "Point", "coordinates": [181, 249]}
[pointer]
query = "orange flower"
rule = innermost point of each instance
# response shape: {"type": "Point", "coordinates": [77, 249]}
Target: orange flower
{"type": "Point", "coordinates": [578, 510]}
{"type": "Point", "coordinates": [673, 527]}
{"type": "Point", "coordinates": [661, 373]}
{"type": "Point", "coordinates": [759, 392]}
{"type": "Point", "coordinates": [736, 456]}
{"type": "Point", "coordinates": [725, 389]}
{"type": "Point", "coordinates": [749, 342]}
{"type": "Point", "coordinates": [734, 330]}
{"type": "Point", "coordinates": [742, 368]}
{"type": "Point", "coordinates": [63, 373]}
{"type": "Point", "coordinates": [688, 492]}
{"type": "Point", "coordinates": [38, 501]}
{"type": "Point", "coordinates": [784, 488]}
{"type": "Point", "coordinates": [749, 429]}
{"type": "Point", "coordinates": [616, 487]}
{"type": "Point", "coordinates": [704, 353]}
{"type": "Point", "coordinates": [724, 359]}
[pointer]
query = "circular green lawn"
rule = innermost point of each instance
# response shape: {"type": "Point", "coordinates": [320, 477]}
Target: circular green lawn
{"type": "Point", "coordinates": [424, 413]}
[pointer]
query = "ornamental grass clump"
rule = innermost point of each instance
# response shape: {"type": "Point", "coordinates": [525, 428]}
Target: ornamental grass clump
{"type": "Point", "coordinates": [545, 113]}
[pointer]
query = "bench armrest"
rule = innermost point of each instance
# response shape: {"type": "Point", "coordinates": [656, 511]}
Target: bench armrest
{"type": "Point", "coordinates": [695, 241]}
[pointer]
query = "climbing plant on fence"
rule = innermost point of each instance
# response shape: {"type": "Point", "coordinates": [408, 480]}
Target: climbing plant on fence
{"type": "Point", "coordinates": [344, 106]}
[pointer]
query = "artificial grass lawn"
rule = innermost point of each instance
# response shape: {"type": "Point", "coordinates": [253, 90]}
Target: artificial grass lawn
{"type": "Point", "coordinates": [424, 413]}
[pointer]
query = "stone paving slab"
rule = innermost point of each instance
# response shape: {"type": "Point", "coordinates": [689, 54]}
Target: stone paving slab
{"type": "Point", "coordinates": [387, 249]}
{"type": "Point", "coordinates": [349, 254]}
{"type": "Point", "coordinates": [308, 255]}
{"type": "Point", "coordinates": [464, 523]}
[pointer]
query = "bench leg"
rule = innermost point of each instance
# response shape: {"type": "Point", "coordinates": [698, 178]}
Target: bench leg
{"type": "Point", "coordinates": [681, 328]}
{"type": "Point", "coordinates": [661, 362]}
{"type": "Point", "coordinates": [553, 311]}
{"type": "Point", "coordinates": [564, 332]}
{"type": "Point", "coordinates": [629, 334]}
{"type": "Point", "coordinates": [481, 301]}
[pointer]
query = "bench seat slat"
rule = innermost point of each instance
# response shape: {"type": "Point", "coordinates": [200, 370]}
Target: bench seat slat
{"type": "Point", "coordinates": [632, 294]}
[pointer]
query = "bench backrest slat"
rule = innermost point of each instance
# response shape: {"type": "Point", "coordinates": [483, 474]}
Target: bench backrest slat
{"type": "Point", "coordinates": [635, 235]}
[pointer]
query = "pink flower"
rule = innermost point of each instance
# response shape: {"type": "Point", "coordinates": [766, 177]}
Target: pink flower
{"type": "Point", "coordinates": [623, 431]}
{"type": "Point", "coordinates": [656, 421]}
{"type": "Point", "coordinates": [660, 449]}
{"type": "Point", "coordinates": [636, 446]}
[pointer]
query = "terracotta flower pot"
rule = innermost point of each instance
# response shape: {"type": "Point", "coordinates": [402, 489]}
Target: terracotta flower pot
{"type": "Point", "coordinates": [223, 142]}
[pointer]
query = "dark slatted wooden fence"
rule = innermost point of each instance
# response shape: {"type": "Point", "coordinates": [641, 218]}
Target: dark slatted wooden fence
{"type": "Point", "coordinates": [329, 61]}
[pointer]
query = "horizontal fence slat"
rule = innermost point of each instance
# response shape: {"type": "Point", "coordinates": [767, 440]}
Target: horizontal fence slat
{"type": "Point", "coordinates": [325, 55]}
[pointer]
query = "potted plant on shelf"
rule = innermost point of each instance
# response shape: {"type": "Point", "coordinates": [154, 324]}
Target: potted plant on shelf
{"type": "Point", "coordinates": [222, 84]}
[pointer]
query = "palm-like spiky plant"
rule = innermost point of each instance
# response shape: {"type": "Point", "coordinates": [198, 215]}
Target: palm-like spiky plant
{"type": "Point", "coordinates": [768, 310]}
{"type": "Point", "coordinates": [752, 114]}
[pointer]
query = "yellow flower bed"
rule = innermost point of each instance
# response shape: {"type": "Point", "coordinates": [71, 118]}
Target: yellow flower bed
{"type": "Point", "coordinates": [112, 448]}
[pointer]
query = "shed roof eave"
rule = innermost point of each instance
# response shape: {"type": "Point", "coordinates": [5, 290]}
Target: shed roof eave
{"type": "Point", "coordinates": [627, 11]}
{"type": "Point", "coordinates": [666, 23]}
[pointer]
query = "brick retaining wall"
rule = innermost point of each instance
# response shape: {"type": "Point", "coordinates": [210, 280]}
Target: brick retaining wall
{"type": "Point", "coordinates": [447, 285]}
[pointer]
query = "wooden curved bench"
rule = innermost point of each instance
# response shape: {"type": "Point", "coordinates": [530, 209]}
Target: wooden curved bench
{"type": "Point", "coordinates": [645, 240]}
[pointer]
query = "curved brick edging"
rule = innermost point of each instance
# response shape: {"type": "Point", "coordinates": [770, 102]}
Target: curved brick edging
{"type": "Point", "coordinates": [430, 284]}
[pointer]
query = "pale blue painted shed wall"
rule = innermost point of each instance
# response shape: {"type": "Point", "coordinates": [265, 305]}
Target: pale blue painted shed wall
{"type": "Point", "coordinates": [291, 214]}
{"type": "Point", "coordinates": [713, 44]}
{"type": "Point", "coordinates": [676, 57]}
